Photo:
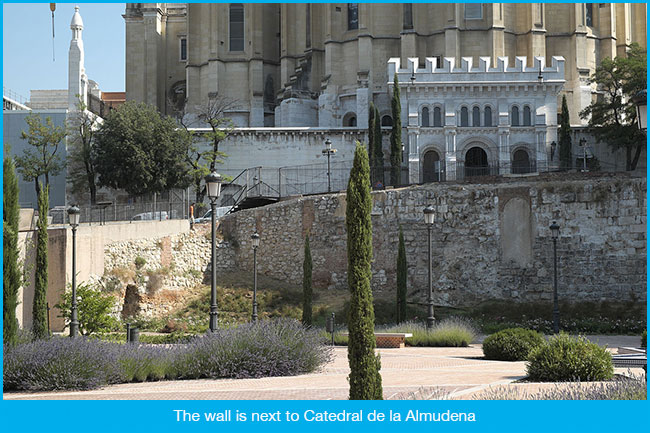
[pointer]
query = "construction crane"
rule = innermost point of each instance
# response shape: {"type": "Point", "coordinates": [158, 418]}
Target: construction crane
{"type": "Point", "coordinates": [52, 8]}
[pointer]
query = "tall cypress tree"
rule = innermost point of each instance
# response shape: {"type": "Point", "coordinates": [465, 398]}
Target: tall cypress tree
{"type": "Point", "coordinates": [11, 267]}
{"type": "Point", "coordinates": [306, 286]}
{"type": "Point", "coordinates": [378, 162]}
{"type": "Point", "coordinates": [371, 143]}
{"type": "Point", "coordinates": [401, 278]}
{"type": "Point", "coordinates": [365, 380]}
{"type": "Point", "coordinates": [39, 310]}
{"type": "Point", "coordinates": [396, 136]}
{"type": "Point", "coordinates": [566, 162]}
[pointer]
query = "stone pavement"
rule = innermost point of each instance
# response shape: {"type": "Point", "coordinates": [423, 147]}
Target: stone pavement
{"type": "Point", "coordinates": [406, 373]}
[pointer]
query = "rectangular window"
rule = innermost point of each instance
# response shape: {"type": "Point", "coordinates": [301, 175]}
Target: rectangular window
{"type": "Point", "coordinates": [183, 50]}
{"type": "Point", "coordinates": [474, 11]}
{"type": "Point", "coordinates": [408, 16]}
{"type": "Point", "coordinates": [590, 14]}
{"type": "Point", "coordinates": [353, 16]}
{"type": "Point", "coordinates": [237, 27]}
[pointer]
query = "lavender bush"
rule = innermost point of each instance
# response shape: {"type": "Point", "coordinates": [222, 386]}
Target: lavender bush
{"type": "Point", "coordinates": [280, 347]}
{"type": "Point", "coordinates": [270, 348]}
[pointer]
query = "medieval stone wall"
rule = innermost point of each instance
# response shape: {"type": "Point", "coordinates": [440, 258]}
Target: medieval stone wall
{"type": "Point", "coordinates": [489, 241]}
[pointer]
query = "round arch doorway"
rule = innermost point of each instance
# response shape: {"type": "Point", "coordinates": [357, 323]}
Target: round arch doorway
{"type": "Point", "coordinates": [431, 167]}
{"type": "Point", "coordinates": [476, 162]}
{"type": "Point", "coordinates": [521, 162]}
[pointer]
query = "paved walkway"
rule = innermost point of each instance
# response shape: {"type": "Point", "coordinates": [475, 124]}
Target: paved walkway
{"type": "Point", "coordinates": [406, 373]}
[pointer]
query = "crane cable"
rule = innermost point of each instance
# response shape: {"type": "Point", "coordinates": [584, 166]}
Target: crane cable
{"type": "Point", "coordinates": [52, 8]}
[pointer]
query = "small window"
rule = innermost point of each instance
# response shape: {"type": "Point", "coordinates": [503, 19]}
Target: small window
{"type": "Point", "coordinates": [527, 120]}
{"type": "Point", "coordinates": [408, 16]}
{"type": "Point", "coordinates": [488, 116]}
{"type": "Point", "coordinates": [473, 11]}
{"type": "Point", "coordinates": [437, 117]}
{"type": "Point", "coordinates": [425, 117]}
{"type": "Point", "coordinates": [350, 119]}
{"type": "Point", "coordinates": [236, 27]}
{"type": "Point", "coordinates": [514, 116]}
{"type": "Point", "coordinates": [353, 16]}
{"type": "Point", "coordinates": [386, 121]}
{"type": "Point", "coordinates": [183, 49]}
{"type": "Point", "coordinates": [589, 7]}
{"type": "Point", "coordinates": [476, 116]}
{"type": "Point", "coordinates": [464, 117]}
{"type": "Point", "coordinates": [308, 25]}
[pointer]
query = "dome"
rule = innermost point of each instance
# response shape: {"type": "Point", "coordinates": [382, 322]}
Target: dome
{"type": "Point", "coordinates": [76, 22]}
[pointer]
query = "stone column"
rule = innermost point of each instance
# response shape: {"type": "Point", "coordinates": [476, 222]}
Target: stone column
{"type": "Point", "coordinates": [450, 153]}
{"type": "Point", "coordinates": [413, 135]}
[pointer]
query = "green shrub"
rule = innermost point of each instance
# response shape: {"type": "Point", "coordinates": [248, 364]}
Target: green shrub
{"type": "Point", "coordinates": [514, 344]}
{"type": "Point", "coordinates": [140, 262]}
{"type": "Point", "coordinates": [564, 358]}
{"type": "Point", "coordinates": [644, 338]}
{"type": "Point", "coordinates": [94, 309]}
{"type": "Point", "coordinates": [451, 332]}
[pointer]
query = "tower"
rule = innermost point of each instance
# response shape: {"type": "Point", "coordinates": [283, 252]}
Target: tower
{"type": "Point", "coordinates": [77, 80]}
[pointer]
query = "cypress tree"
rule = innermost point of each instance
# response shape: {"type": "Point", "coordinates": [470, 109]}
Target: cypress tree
{"type": "Point", "coordinates": [11, 267]}
{"type": "Point", "coordinates": [396, 136]}
{"type": "Point", "coordinates": [306, 286]}
{"type": "Point", "coordinates": [371, 143]}
{"type": "Point", "coordinates": [364, 378]}
{"type": "Point", "coordinates": [565, 138]}
{"type": "Point", "coordinates": [379, 150]}
{"type": "Point", "coordinates": [401, 278]}
{"type": "Point", "coordinates": [39, 310]}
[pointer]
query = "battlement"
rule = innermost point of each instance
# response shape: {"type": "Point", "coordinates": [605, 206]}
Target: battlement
{"type": "Point", "coordinates": [482, 73]}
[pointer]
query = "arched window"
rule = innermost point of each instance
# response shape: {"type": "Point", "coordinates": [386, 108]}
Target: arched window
{"type": "Point", "coordinates": [514, 116]}
{"type": "Point", "coordinates": [488, 116]}
{"type": "Point", "coordinates": [353, 16]}
{"type": "Point", "coordinates": [437, 117]}
{"type": "Point", "coordinates": [350, 119]}
{"type": "Point", "coordinates": [527, 121]}
{"type": "Point", "coordinates": [387, 121]}
{"type": "Point", "coordinates": [464, 117]}
{"type": "Point", "coordinates": [408, 16]}
{"type": "Point", "coordinates": [476, 116]}
{"type": "Point", "coordinates": [236, 27]}
{"type": "Point", "coordinates": [425, 117]}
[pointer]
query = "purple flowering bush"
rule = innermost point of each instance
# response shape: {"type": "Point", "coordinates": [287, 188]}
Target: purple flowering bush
{"type": "Point", "coordinates": [270, 348]}
{"type": "Point", "coordinates": [281, 347]}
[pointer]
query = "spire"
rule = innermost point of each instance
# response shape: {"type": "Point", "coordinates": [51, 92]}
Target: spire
{"type": "Point", "coordinates": [77, 24]}
{"type": "Point", "coordinates": [77, 80]}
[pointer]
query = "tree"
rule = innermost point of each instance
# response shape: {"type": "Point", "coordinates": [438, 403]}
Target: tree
{"type": "Point", "coordinates": [371, 142]}
{"type": "Point", "coordinates": [94, 309]}
{"type": "Point", "coordinates": [306, 286]}
{"type": "Point", "coordinates": [612, 116]}
{"type": "Point", "coordinates": [140, 151]}
{"type": "Point", "coordinates": [378, 163]}
{"type": "Point", "coordinates": [401, 278]}
{"type": "Point", "coordinates": [566, 162]}
{"type": "Point", "coordinates": [39, 307]}
{"type": "Point", "coordinates": [11, 275]}
{"type": "Point", "coordinates": [42, 159]}
{"type": "Point", "coordinates": [81, 164]}
{"type": "Point", "coordinates": [396, 136]}
{"type": "Point", "coordinates": [364, 378]}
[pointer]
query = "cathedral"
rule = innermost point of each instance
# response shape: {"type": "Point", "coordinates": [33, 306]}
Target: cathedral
{"type": "Point", "coordinates": [319, 66]}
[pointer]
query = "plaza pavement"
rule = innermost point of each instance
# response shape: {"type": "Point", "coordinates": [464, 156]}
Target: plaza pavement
{"type": "Point", "coordinates": [406, 373]}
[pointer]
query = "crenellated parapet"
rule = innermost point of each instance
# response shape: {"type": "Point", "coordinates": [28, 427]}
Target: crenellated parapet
{"type": "Point", "coordinates": [468, 73]}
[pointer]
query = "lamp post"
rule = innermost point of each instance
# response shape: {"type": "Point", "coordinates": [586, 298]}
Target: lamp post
{"type": "Point", "coordinates": [555, 233]}
{"type": "Point", "coordinates": [329, 152]}
{"type": "Point", "coordinates": [429, 219]}
{"type": "Point", "coordinates": [213, 186]}
{"type": "Point", "coordinates": [256, 243]}
{"type": "Point", "coordinates": [73, 219]}
{"type": "Point", "coordinates": [641, 102]}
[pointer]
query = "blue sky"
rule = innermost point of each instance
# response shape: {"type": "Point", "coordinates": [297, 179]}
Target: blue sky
{"type": "Point", "coordinates": [27, 45]}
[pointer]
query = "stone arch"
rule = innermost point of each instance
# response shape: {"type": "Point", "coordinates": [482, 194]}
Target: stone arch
{"type": "Point", "coordinates": [350, 119]}
{"type": "Point", "coordinates": [521, 161]}
{"type": "Point", "coordinates": [433, 164]}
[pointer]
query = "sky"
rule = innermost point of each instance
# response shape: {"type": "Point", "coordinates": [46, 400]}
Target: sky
{"type": "Point", "coordinates": [27, 45]}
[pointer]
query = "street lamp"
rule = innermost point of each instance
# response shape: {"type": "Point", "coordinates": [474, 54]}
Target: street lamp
{"type": "Point", "coordinates": [641, 102]}
{"type": "Point", "coordinates": [213, 186]}
{"type": "Point", "coordinates": [429, 219]}
{"type": "Point", "coordinates": [329, 152]}
{"type": "Point", "coordinates": [73, 219]}
{"type": "Point", "coordinates": [256, 243]}
{"type": "Point", "coordinates": [555, 233]}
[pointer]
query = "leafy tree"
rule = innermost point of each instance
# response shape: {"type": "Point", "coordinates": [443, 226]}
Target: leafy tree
{"type": "Point", "coordinates": [306, 286]}
{"type": "Point", "coordinates": [371, 141]}
{"type": "Point", "coordinates": [81, 164]}
{"type": "Point", "coordinates": [39, 307]}
{"type": "Point", "coordinates": [93, 309]}
{"type": "Point", "coordinates": [401, 278]}
{"type": "Point", "coordinates": [11, 275]}
{"type": "Point", "coordinates": [42, 159]}
{"type": "Point", "coordinates": [364, 378]}
{"type": "Point", "coordinates": [613, 115]}
{"type": "Point", "coordinates": [378, 162]}
{"type": "Point", "coordinates": [396, 136]}
{"type": "Point", "coordinates": [566, 162]}
{"type": "Point", "coordinates": [140, 151]}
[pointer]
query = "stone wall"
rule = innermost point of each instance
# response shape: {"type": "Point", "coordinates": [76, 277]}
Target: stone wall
{"type": "Point", "coordinates": [489, 241]}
